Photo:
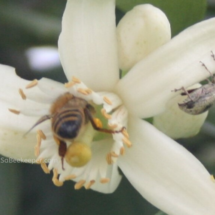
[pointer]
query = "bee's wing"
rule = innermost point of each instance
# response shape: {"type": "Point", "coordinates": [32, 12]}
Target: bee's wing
{"type": "Point", "coordinates": [42, 119]}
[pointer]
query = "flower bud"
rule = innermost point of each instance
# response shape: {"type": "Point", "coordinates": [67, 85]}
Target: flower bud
{"type": "Point", "coordinates": [140, 32]}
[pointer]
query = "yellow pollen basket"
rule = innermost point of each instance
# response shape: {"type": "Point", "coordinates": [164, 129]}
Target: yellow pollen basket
{"type": "Point", "coordinates": [78, 154]}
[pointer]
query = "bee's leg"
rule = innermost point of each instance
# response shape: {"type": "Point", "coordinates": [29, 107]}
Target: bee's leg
{"type": "Point", "coordinates": [61, 150]}
{"type": "Point", "coordinates": [185, 92]}
{"type": "Point", "coordinates": [96, 127]}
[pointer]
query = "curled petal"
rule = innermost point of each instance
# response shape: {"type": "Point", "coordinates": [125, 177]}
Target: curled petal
{"type": "Point", "coordinates": [87, 43]}
{"type": "Point", "coordinates": [166, 174]}
{"type": "Point", "coordinates": [140, 32]}
{"type": "Point", "coordinates": [175, 64]}
{"type": "Point", "coordinates": [177, 124]}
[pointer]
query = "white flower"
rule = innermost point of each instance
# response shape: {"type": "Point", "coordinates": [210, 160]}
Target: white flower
{"type": "Point", "coordinates": [165, 173]}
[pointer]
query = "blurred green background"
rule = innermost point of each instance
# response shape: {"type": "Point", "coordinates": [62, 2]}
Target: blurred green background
{"type": "Point", "coordinates": [24, 188]}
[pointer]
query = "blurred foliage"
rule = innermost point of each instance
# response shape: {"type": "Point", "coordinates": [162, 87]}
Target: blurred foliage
{"type": "Point", "coordinates": [160, 213]}
{"type": "Point", "coordinates": [25, 189]}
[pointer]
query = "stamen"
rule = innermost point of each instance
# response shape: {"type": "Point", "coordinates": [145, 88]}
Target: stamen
{"type": "Point", "coordinates": [125, 133]}
{"type": "Point", "coordinates": [22, 94]}
{"type": "Point", "coordinates": [212, 178]}
{"type": "Point", "coordinates": [39, 160]}
{"type": "Point", "coordinates": [104, 180]}
{"type": "Point", "coordinates": [55, 179]}
{"type": "Point", "coordinates": [76, 80]}
{"type": "Point", "coordinates": [37, 147]}
{"type": "Point", "coordinates": [109, 159]}
{"type": "Point", "coordinates": [36, 151]}
{"type": "Point", "coordinates": [14, 111]}
{"type": "Point", "coordinates": [79, 184]}
{"type": "Point", "coordinates": [113, 154]}
{"type": "Point", "coordinates": [69, 177]}
{"type": "Point", "coordinates": [122, 151]}
{"type": "Point", "coordinates": [83, 91]}
{"type": "Point", "coordinates": [45, 168]}
{"type": "Point", "coordinates": [107, 100]}
{"type": "Point", "coordinates": [127, 142]}
{"type": "Point", "coordinates": [89, 184]}
{"type": "Point", "coordinates": [32, 84]}
{"type": "Point", "coordinates": [57, 140]}
{"type": "Point", "coordinates": [89, 91]}
{"type": "Point", "coordinates": [69, 84]}
{"type": "Point", "coordinates": [104, 113]}
{"type": "Point", "coordinates": [98, 122]}
{"type": "Point", "coordinates": [42, 135]}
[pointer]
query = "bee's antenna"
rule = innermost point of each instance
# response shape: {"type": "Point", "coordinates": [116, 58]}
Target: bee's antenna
{"type": "Point", "coordinates": [42, 119]}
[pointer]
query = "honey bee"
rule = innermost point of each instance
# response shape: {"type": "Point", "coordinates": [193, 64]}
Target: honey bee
{"type": "Point", "coordinates": [199, 100]}
{"type": "Point", "coordinates": [69, 115]}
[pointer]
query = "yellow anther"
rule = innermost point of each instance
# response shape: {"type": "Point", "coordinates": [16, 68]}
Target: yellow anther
{"type": "Point", "coordinates": [69, 84]}
{"type": "Point", "coordinates": [22, 94]}
{"type": "Point", "coordinates": [36, 151]}
{"type": "Point", "coordinates": [127, 142]}
{"type": "Point", "coordinates": [42, 135]}
{"type": "Point", "coordinates": [212, 178]}
{"type": "Point", "coordinates": [104, 180]}
{"type": "Point", "coordinates": [107, 100]}
{"type": "Point", "coordinates": [55, 179]}
{"type": "Point", "coordinates": [89, 91]}
{"type": "Point", "coordinates": [39, 160]}
{"type": "Point", "coordinates": [82, 91]}
{"type": "Point", "coordinates": [105, 114]}
{"type": "Point", "coordinates": [89, 184]}
{"type": "Point", "coordinates": [56, 182]}
{"type": "Point", "coordinates": [69, 177]}
{"type": "Point", "coordinates": [76, 80]}
{"type": "Point", "coordinates": [14, 111]}
{"type": "Point", "coordinates": [37, 147]}
{"type": "Point", "coordinates": [45, 168]}
{"type": "Point", "coordinates": [98, 122]}
{"type": "Point", "coordinates": [57, 140]}
{"type": "Point", "coordinates": [113, 154]}
{"type": "Point", "coordinates": [122, 151]}
{"type": "Point", "coordinates": [32, 84]}
{"type": "Point", "coordinates": [125, 133]}
{"type": "Point", "coordinates": [109, 159]}
{"type": "Point", "coordinates": [79, 184]}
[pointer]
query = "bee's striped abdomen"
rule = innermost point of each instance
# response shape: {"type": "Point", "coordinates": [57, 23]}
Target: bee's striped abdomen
{"type": "Point", "coordinates": [68, 123]}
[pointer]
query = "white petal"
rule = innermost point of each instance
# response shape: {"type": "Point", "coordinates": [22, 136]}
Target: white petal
{"type": "Point", "coordinates": [51, 88]}
{"type": "Point", "coordinates": [166, 174]}
{"type": "Point", "coordinates": [177, 124]}
{"type": "Point", "coordinates": [139, 32]}
{"type": "Point", "coordinates": [148, 85]}
{"type": "Point", "coordinates": [14, 145]}
{"type": "Point", "coordinates": [10, 84]}
{"type": "Point", "coordinates": [87, 43]}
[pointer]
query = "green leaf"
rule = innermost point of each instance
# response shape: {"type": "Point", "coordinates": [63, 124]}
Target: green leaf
{"type": "Point", "coordinates": [181, 13]}
{"type": "Point", "coordinates": [160, 213]}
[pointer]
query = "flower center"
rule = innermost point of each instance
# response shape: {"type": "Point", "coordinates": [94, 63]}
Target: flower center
{"type": "Point", "coordinates": [69, 145]}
